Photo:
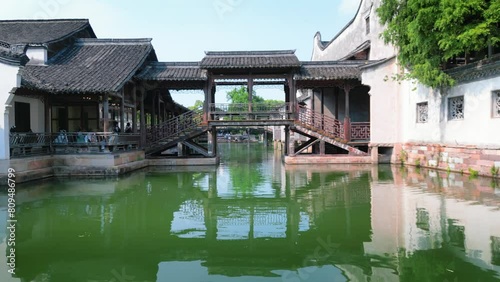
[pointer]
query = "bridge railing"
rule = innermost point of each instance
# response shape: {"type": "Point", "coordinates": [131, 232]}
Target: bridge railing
{"type": "Point", "coordinates": [320, 122]}
{"type": "Point", "coordinates": [247, 111]}
{"type": "Point", "coordinates": [175, 126]}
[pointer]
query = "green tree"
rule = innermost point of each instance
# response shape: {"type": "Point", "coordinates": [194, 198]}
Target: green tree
{"type": "Point", "coordinates": [428, 33]}
{"type": "Point", "coordinates": [196, 105]}
{"type": "Point", "coordinates": [240, 96]}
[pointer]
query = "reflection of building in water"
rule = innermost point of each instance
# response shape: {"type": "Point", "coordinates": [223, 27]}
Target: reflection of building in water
{"type": "Point", "coordinates": [424, 218]}
{"type": "Point", "coordinates": [392, 230]}
{"type": "Point", "coordinates": [62, 236]}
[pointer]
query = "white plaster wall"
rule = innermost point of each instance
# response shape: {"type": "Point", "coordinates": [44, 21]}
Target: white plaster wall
{"type": "Point", "coordinates": [37, 55]}
{"type": "Point", "coordinates": [354, 35]}
{"type": "Point", "coordinates": [8, 80]}
{"type": "Point", "coordinates": [385, 110]}
{"type": "Point", "coordinates": [37, 113]}
{"type": "Point", "coordinates": [478, 126]}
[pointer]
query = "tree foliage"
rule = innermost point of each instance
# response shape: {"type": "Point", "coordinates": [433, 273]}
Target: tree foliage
{"type": "Point", "coordinates": [428, 33]}
{"type": "Point", "coordinates": [197, 105]}
{"type": "Point", "coordinates": [240, 96]}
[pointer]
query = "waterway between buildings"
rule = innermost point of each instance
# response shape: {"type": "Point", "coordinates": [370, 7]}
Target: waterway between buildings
{"type": "Point", "coordinates": [254, 219]}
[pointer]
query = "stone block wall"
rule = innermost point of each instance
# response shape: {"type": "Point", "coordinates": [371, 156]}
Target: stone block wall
{"type": "Point", "coordinates": [453, 158]}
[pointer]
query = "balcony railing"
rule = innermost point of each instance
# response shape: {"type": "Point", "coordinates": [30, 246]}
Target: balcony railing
{"type": "Point", "coordinates": [27, 144]}
{"type": "Point", "coordinates": [252, 111]}
{"type": "Point", "coordinates": [360, 131]}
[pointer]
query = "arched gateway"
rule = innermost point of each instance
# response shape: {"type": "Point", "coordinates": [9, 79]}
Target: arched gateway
{"type": "Point", "coordinates": [332, 113]}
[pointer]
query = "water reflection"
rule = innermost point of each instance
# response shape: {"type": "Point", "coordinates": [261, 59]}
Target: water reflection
{"type": "Point", "coordinates": [252, 219]}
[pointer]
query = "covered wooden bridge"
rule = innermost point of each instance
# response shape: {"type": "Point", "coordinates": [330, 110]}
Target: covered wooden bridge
{"type": "Point", "coordinates": [330, 93]}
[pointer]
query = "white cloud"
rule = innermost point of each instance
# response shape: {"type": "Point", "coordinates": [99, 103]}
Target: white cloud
{"type": "Point", "coordinates": [349, 6]}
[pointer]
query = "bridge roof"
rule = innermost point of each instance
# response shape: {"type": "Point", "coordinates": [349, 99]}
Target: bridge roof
{"type": "Point", "coordinates": [250, 60]}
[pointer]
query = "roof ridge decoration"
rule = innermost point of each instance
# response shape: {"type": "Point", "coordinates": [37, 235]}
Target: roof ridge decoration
{"type": "Point", "coordinates": [105, 41]}
{"type": "Point", "coordinates": [44, 20]}
{"type": "Point", "coordinates": [336, 63]}
{"type": "Point", "coordinates": [250, 53]}
{"type": "Point", "coordinates": [324, 44]}
{"type": "Point", "coordinates": [175, 64]}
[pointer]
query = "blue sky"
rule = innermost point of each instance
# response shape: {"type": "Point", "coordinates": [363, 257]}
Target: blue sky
{"type": "Point", "coordinates": [183, 29]}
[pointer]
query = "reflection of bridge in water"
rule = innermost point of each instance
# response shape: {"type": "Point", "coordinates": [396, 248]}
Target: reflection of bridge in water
{"type": "Point", "coordinates": [151, 223]}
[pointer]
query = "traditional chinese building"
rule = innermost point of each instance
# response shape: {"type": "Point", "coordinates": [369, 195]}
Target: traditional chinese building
{"type": "Point", "coordinates": [455, 129]}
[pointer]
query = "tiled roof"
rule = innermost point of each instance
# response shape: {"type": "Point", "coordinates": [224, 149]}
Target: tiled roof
{"type": "Point", "coordinates": [173, 71]}
{"type": "Point", "coordinates": [250, 59]}
{"type": "Point", "coordinates": [90, 66]}
{"type": "Point", "coordinates": [329, 70]}
{"type": "Point", "coordinates": [39, 31]}
{"type": "Point", "coordinates": [483, 69]}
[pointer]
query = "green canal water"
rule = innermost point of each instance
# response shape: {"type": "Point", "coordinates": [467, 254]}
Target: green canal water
{"type": "Point", "coordinates": [254, 219]}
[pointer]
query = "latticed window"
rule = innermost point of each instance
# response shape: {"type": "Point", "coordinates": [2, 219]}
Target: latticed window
{"type": "Point", "coordinates": [456, 108]}
{"type": "Point", "coordinates": [496, 103]}
{"type": "Point", "coordinates": [422, 112]}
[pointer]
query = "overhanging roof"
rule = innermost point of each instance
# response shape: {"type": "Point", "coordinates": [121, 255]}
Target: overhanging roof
{"type": "Point", "coordinates": [330, 70]}
{"type": "Point", "coordinates": [40, 31]}
{"type": "Point", "coordinates": [90, 66]}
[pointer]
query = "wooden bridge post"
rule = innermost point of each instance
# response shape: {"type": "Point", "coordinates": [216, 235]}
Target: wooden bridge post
{"type": "Point", "coordinates": [212, 141]}
{"type": "Point", "coordinates": [287, 141]}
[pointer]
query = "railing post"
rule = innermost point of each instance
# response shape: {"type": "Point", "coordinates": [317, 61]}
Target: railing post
{"type": "Point", "coordinates": [347, 129]}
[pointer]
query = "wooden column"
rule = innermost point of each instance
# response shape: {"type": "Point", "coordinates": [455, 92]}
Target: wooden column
{"type": "Point", "coordinates": [143, 118]}
{"type": "Point", "coordinates": [158, 117]}
{"type": "Point", "coordinates": [208, 100]}
{"type": "Point", "coordinates": [250, 93]}
{"type": "Point", "coordinates": [47, 113]}
{"type": "Point", "coordinates": [134, 111]}
{"type": "Point", "coordinates": [212, 142]}
{"type": "Point", "coordinates": [287, 99]}
{"type": "Point", "coordinates": [122, 110]}
{"type": "Point", "coordinates": [212, 99]}
{"type": "Point", "coordinates": [153, 106]}
{"type": "Point", "coordinates": [347, 118]}
{"type": "Point", "coordinates": [105, 112]}
{"type": "Point", "coordinates": [293, 96]}
{"type": "Point", "coordinates": [287, 140]}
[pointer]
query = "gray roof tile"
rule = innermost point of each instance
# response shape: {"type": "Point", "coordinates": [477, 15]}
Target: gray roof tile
{"type": "Point", "coordinates": [250, 59]}
{"type": "Point", "coordinates": [39, 31]}
{"type": "Point", "coordinates": [173, 71]}
{"type": "Point", "coordinates": [329, 70]}
{"type": "Point", "coordinates": [90, 66]}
